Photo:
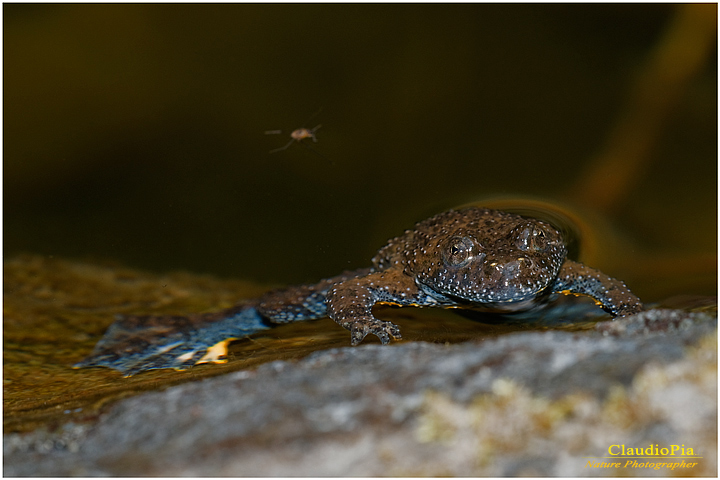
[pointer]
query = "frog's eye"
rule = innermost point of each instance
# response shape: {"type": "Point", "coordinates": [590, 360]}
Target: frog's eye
{"type": "Point", "coordinates": [458, 251]}
{"type": "Point", "coordinates": [532, 238]}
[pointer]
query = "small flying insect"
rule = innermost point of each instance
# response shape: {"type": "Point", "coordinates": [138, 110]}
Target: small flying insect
{"type": "Point", "coordinates": [298, 135]}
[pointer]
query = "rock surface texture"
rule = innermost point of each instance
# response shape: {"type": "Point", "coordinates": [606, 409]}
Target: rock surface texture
{"type": "Point", "coordinates": [538, 403]}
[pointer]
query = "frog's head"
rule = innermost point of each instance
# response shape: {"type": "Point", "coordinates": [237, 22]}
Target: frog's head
{"type": "Point", "coordinates": [498, 259]}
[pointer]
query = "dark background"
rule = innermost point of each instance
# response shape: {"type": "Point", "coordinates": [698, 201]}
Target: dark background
{"type": "Point", "coordinates": [136, 132]}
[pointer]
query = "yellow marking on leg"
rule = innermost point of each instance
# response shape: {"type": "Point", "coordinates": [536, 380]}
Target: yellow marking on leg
{"type": "Point", "coordinates": [394, 304]}
{"type": "Point", "coordinates": [215, 352]}
{"type": "Point", "coordinates": [575, 294]}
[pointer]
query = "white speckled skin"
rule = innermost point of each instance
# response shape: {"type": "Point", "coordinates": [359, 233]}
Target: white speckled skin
{"type": "Point", "coordinates": [473, 258]}
{"type": "Point", "coordinates": [478, 256]}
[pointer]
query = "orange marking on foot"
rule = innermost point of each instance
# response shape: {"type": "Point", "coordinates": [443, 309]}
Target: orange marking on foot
{"type": "Point", "coordinates": [215, 352]}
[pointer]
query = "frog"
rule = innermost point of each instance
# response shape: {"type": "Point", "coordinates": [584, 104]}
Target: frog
{"type": "Point", "coordinates": [473, 258]}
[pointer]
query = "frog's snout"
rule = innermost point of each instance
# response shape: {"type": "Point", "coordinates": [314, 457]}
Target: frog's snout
{"type": "Point", "coordinates": [509, 269]}
{"type": "Point", "coordinates": [521, 263]}
{"type": "Point", "coordinates": [512, 279]}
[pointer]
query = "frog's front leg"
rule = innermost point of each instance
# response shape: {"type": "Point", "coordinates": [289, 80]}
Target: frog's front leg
{"type": "Point", "coordinates": [350, 303]}
{"type": "Point", "coordinates": [301, 302]}
{"type": "Point", "coordinates": [610, 294]}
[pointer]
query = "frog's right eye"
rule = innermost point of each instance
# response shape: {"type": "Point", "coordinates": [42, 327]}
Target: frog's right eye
{"type": "Point", "coordinates": [458, 251]}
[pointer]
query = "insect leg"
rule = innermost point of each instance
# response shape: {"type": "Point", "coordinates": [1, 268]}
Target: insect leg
{"type": "Point", "coordinates": [315, 152]}
{"type": "Point", "coordinates": [283, 148]}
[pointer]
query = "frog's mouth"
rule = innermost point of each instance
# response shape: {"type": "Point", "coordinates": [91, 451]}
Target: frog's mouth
{"type": "Point", "coordinates": [507, 282]}
{"type": "Point", "coordinates": [506, 300]}
{"type": "Point", "coordinates": [500, 305]}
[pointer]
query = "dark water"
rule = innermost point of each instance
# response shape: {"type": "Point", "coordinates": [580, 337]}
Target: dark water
{"type": "Point", "coordinates": [136, 132]}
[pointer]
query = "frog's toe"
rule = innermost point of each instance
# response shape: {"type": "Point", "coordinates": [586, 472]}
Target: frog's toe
{"type": "Point", "coordinates": [385, 331]}
{"type": "Point", "coordinates": [358, 334]}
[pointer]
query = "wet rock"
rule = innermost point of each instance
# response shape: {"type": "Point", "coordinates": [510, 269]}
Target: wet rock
{"type": "Point", "coordinates": [535, 403]}
{"type": "Point", "coordinates": [656, 320]}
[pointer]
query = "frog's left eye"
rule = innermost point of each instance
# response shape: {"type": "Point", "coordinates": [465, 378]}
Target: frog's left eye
{"type": "Point", "coordinates": [458, 251]}
{"type": "Point", "coordinates": [532, 238]}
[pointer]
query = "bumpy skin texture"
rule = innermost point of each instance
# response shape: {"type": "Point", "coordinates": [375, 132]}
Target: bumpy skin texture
{"type": "Point", "coordinates": [473, 258]}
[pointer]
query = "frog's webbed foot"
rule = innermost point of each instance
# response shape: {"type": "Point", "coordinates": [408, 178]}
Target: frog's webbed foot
{"type": "Point", "coordinates": [610, 294]}
{"type": "Point", "coordinates": [360, 327]}
{"type": "Point", "coordinates": [350, 303]}
{"type": "Point", "coordinates": [135, 344]}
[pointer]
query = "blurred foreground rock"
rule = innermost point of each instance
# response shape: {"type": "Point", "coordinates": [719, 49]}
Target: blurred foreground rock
{"type": "Point", "coordinates": [539, 403]}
